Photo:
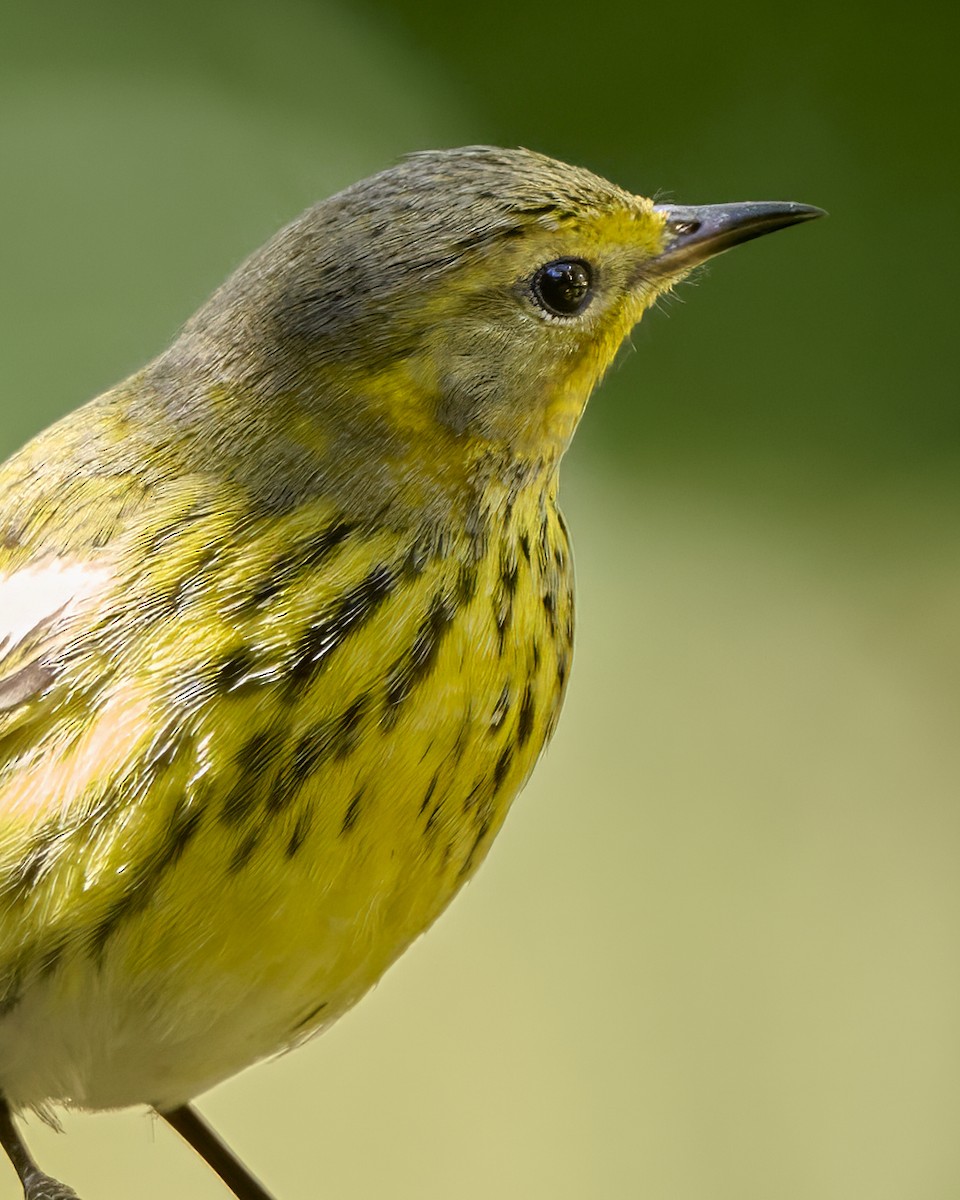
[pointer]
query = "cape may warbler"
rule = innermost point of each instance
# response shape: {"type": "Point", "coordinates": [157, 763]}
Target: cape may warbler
{"type": "Point", "coordinates": [286, 619]}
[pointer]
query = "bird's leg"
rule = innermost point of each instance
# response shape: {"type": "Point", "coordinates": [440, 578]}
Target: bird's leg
{"type": "Point", "coordinates": [193, 1129]}
{"type": "Point", "coordinates": [36, 1185]}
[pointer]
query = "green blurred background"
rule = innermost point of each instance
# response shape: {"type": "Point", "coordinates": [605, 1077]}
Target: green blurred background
{"type": "Point", "coordinates": [715, 952]}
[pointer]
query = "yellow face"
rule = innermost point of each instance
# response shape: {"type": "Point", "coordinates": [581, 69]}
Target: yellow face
{"type": "Point", "coordinates": [445, 318]}
{"type": "Point", "coordinates": [517, 339]}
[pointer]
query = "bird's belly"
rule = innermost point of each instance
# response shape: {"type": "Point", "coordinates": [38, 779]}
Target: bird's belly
{"type": "Point", "coordinates": [309, 868]}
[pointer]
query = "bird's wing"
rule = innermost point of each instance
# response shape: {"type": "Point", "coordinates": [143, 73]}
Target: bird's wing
{"type": "Point", "coordinates": [39, 603]}
{"type": "Point", "coordinates": [58, 516]}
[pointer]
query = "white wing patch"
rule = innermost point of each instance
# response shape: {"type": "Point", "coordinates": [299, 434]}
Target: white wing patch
{"type": "Point", "coordinates": [44, 592]}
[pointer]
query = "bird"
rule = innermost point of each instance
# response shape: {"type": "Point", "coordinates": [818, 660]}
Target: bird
{"type": "Point", "coordinates": [286, 620]}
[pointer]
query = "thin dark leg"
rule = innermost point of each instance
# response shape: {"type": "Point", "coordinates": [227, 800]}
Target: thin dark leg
{"type": "Point", "coordinates": [193, 1129]}
{"type": "Point", "coordinates": [36, 1185]}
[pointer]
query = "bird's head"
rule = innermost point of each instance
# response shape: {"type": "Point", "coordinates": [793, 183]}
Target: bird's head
{"type": "Point", "coordinates": [460, 306]}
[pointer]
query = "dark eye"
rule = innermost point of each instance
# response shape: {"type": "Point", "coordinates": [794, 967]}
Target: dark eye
{"type": "Point", "coordinates": [563, 287]}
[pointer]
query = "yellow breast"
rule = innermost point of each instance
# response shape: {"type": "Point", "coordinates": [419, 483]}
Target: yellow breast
{"type": "Point", "coordinates": [345, 748]}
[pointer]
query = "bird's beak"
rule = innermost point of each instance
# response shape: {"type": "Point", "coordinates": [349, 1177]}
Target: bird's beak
{"type": "Point", "coordinates": [696, 233]}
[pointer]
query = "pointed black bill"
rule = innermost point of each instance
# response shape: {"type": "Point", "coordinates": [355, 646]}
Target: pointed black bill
{"type": "Point", "coordinates": [695, 233]}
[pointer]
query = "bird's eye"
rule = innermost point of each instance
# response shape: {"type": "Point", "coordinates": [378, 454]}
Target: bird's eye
{"type": "Point", "coordinates": [562, 288]}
